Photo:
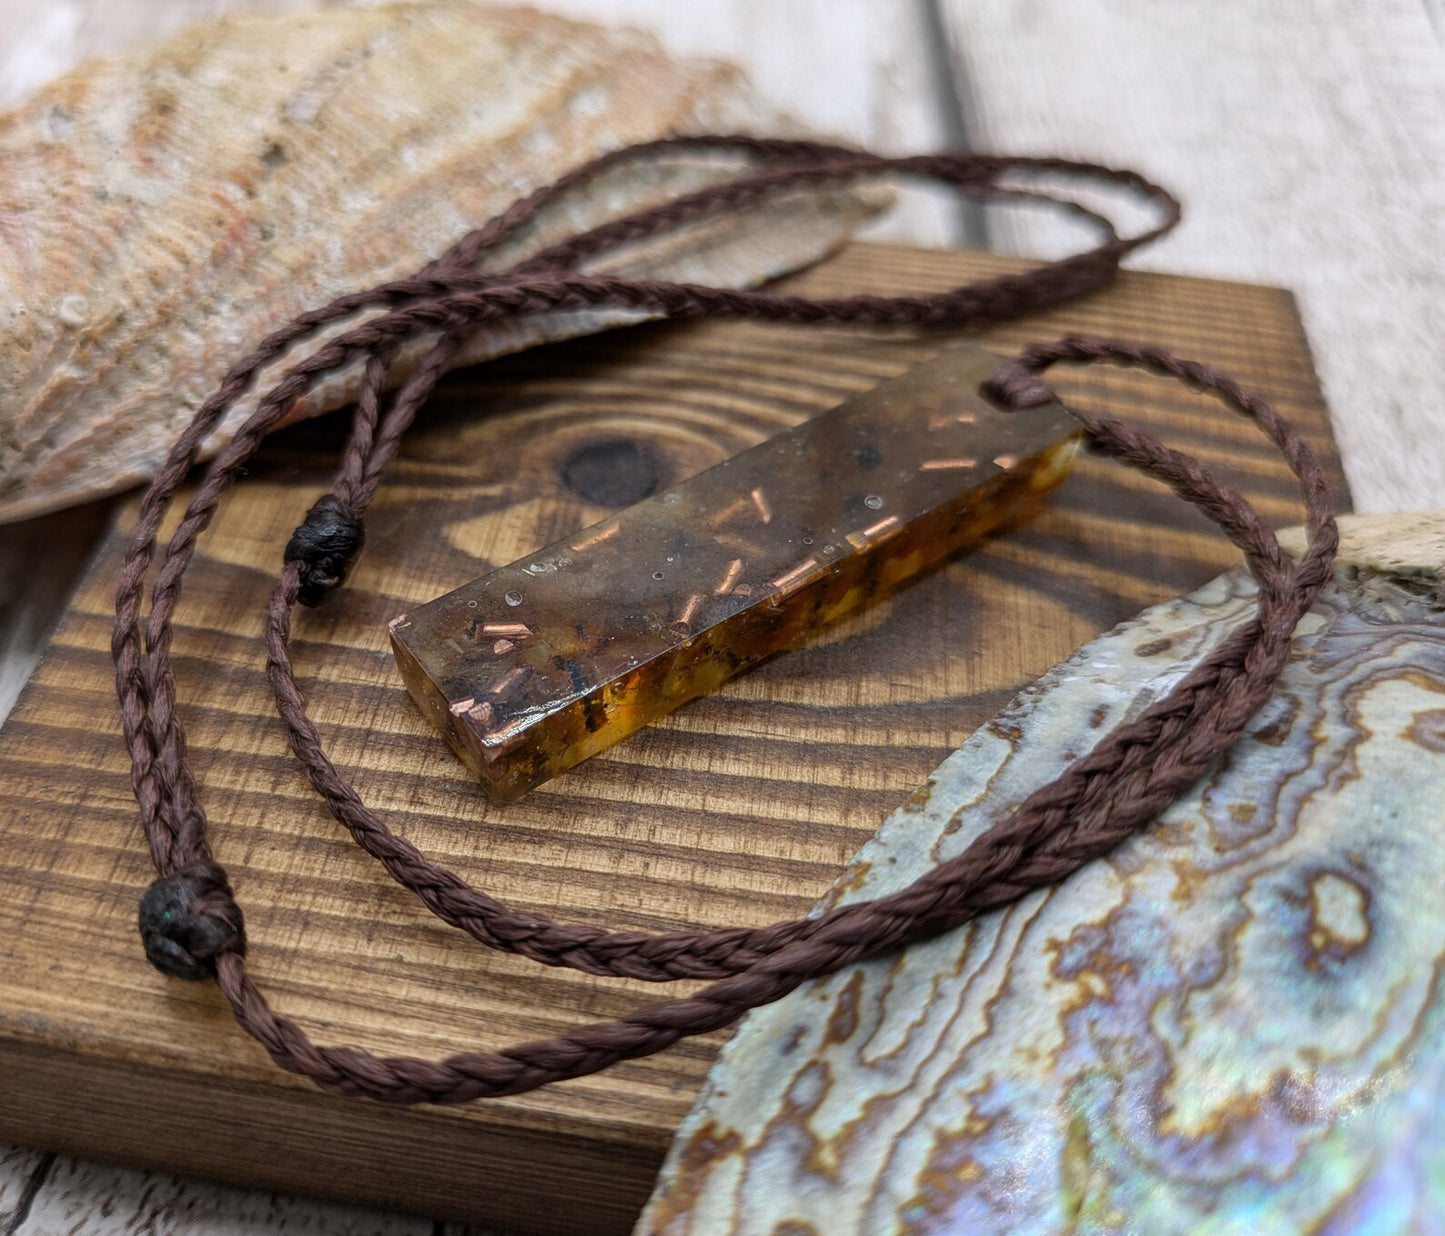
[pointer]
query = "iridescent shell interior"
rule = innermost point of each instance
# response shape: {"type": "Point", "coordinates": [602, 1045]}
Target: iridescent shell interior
{"type": "Point", "coordinates": [1232, 1024]}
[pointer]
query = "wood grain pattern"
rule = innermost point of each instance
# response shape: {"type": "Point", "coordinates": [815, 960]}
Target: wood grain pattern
{"type": "Point", "coordinates": [21, 1174]}
{"type": "Point", "coordinates": [101, 1200]}
{"type": "Point", "coordinates": [861, 69]}
{"type": "Point", "coordinates": [740, 807]}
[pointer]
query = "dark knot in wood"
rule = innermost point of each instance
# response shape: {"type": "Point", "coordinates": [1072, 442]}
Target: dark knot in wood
{"type": "Point", "coordinates": [614, 472]}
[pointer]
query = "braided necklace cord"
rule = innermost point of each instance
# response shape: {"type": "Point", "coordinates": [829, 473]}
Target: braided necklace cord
{"type": "Point", "coordinates": [190, 922]}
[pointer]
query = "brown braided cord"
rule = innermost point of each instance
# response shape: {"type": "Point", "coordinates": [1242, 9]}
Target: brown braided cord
{"type": "Point", "coordinates": [448, 294]}
{"type": "Point", "coordinates": [190, 921]}
{"type": "Point", "coordinates": [1099, 801]}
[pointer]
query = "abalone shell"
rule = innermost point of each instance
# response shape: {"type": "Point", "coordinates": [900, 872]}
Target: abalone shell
{"type": "Point", "coordinates": [1233, 1024]}
{"type": "Point", "coordinates": [164, 209]}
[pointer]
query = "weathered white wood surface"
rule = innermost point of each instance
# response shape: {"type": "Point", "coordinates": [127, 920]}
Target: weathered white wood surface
{"type": "Point", "coordinates": [865, 71]}
{"type": "Point", "coordinates": [68, 1197]}
{"type": "Point", "coordinates": [1308, 142]}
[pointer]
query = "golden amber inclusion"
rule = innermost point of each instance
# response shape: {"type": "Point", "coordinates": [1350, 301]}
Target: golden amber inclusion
{"type": "Point", "coordinates": [544, 663]}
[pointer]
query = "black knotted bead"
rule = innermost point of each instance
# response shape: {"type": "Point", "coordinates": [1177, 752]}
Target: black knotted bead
{"type": "Point", "coordinates": [326, 544]}
{"type": "Point", "coordinates": [188, 919]}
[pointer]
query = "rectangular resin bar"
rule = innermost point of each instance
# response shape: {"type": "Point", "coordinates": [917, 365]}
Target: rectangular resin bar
{"type": "Point", "coordinates": [537, 666]}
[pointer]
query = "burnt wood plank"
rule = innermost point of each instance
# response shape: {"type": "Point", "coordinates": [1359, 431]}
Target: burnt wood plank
{"type": "Point", "coordinates": [740, 807]}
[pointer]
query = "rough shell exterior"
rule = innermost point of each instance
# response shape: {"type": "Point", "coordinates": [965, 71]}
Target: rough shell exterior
{"type": "Point", "coordinates": [161, 211]}
{"type": "Point", "coordinates": [1234, 1024]}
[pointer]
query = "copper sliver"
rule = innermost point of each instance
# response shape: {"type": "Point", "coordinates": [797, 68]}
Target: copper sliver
{"type": "Point", "coordinates": [736, 507]}
{"type": "Point", "coordinates": [749, 548]}
{"type": "Point", "coordinates": [789, 580]}
{"type": "Point", "coordinates": [506, 630]}
{"type": "Point", "coordinates": [944, 420]}
{"type": "Point", "coordinates": [606, 533]}
{"type": "Point", "coordinates": [881, 530]}
{"type": "Point", "coordinates": [730, 579]}
{"type": "Point", "coordinates": [509, 682]}
{"type": "Point", "coordinates": [689, 611]}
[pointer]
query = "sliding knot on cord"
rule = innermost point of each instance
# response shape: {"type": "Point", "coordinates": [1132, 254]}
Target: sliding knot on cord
{"type": "Point", "coordinates": [326, 544]}
{"type": "Point", "coordinates": [188, 919]}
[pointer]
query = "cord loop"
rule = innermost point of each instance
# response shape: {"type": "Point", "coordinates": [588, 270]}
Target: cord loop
{"type": "Point", "coordinates": [189, 920]}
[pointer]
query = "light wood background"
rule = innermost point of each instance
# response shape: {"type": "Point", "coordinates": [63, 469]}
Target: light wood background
{"type": "Point", "coordinates": [1306, 139]}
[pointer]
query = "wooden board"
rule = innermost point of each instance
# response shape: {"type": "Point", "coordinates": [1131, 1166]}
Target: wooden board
{"type": "Point", "coordinates": [740, 807]}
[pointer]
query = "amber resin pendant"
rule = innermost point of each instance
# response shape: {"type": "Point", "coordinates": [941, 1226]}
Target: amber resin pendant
{"type": "Point", "coordinates": [539, 665]}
